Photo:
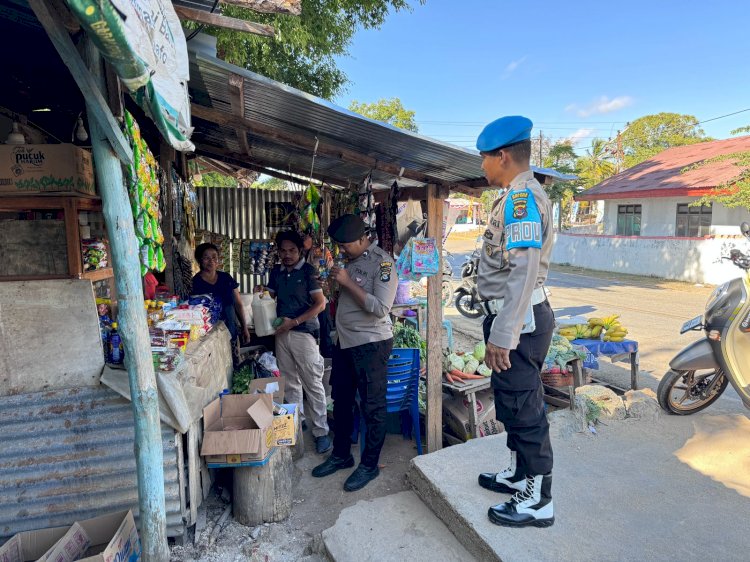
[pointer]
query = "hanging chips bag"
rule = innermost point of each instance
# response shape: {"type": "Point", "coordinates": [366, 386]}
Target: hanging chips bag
{"type": "Point", "coordinates": [161, 263]}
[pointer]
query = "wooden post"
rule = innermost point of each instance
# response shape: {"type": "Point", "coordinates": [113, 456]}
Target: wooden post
{"type": "Point", "coordinates": [263, 494]}
{"type": "Point", "coordinates": [118, 216]}
{"type": "Point", "coordinates": [434, 418]}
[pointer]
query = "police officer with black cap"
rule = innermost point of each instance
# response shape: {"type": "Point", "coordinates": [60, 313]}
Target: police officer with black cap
{"type": "Point", "coordinates": [518, 326]}
{"type": "Point", "coordinates": [368, 286]}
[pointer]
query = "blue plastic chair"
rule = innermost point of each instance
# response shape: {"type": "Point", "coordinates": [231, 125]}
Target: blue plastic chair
{"type": "Point", "coordinates": [402, 394]}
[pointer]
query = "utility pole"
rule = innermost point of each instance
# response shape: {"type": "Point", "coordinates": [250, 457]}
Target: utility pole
{"type": "Point", "coordinates": [619, 152]}
{"type": "Point", "coordinates": [540, 148]}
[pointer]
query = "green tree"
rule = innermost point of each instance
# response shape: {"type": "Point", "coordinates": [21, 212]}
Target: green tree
{"type": "Point", "coordinates": [304, 50]}
{"type": "Point", "coordinates": [651, 134]}
{"type": "Point", "coordinates": [214, 179]}
{"type": "Point", "coordinates": [563, 158]}
{"type": "Point", "coordinates": [271, 184]}
{"type": "Point", "coordinates": [389, 111]}
{"type": "Point", "coordinates": [597, 165]}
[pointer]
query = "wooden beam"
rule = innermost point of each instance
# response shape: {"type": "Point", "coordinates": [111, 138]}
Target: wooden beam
{"type": "Point", "coordinates": [224, 22]}
{"type": "Point", "coordinates": [237, 103]}
{"type": "Point", "coordinates": [308, 142]}
{"type": "Point", "coordinates": [434, 416]}
{"type": "Point", "coordinates": [96, 105]}
{"type": "Point", "coordinates": [293, 7]}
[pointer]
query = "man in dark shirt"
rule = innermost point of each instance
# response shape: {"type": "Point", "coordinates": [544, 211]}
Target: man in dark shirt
{"type": "Point", "coordinates": [299, 300]}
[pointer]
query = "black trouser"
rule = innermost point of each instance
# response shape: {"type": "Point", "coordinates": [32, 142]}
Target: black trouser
{"type": "Point", "coordinates": [519, 395]}
{"type": "Point", "coordinates": [362, 368]}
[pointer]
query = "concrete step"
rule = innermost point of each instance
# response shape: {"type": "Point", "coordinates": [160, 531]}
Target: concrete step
{"type": "Point", "coordinates": [636, 491]}
{"type": "Point", "coordinates": [398, 527]}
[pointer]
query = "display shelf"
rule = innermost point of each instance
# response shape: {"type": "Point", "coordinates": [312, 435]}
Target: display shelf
{"type": "Point", "coordinates": [98, 274]}
{"type": "Point", "coordinates": [71, 205]}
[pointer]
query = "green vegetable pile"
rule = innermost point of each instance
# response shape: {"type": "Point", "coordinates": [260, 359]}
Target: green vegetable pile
{"type": "Point", "coordinates": [241, 380]}
{"type": "Point", "coordinates": [404, 336]}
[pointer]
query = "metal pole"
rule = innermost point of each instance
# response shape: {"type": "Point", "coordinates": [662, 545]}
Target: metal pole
{"type": "Point", "coordinates": [133, 327]}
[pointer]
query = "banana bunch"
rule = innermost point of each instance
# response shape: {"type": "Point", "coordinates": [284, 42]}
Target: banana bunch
{"type": "Point", "coordinates": [613, 330]}
{"type": "Point", "coordinates": [580, 331]}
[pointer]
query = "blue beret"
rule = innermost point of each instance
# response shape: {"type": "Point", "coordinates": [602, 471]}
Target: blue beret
{"type": "Point", "coordinates": [347, 228]}
{"type": "Point", "coordinates": [504, 131]}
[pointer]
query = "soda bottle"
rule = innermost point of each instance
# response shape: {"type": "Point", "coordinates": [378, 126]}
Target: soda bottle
{"type": "Point", "coordinates": [116, 352]}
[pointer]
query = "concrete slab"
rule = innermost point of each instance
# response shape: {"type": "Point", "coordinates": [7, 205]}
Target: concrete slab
{"type": "Point", "coordinates": [638, 490]}
{"type": "Point", "coordinates": [395, 527]}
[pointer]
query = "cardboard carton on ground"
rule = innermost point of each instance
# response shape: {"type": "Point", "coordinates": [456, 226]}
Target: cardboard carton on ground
{"type": "Point", "coordinates": [45, 168]}
{"type": "Point", "coordinates": [111, 538]}
{"type": "Point", "coordinates": [456, 415]}
{"type": "Point", "coordinates": [270, 385]}
{"type": "Point", "coordinates": [285, 427]}
{"type": "Point", "coordinates": [238, 428]}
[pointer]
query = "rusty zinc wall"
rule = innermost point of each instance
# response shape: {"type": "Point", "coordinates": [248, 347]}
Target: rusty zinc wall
{"type": "Point", "coordinates": [239, 213]}
{"type": "Point", "coordinates": [68, 455]}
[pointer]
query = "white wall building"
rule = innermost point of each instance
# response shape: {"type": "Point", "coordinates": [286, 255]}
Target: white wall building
{"type": "Point", "coordinates": [648, 226]}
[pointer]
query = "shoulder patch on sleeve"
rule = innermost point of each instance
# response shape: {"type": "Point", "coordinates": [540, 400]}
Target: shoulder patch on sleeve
{"type": "Point", "coordinates": [385, 271]}
{"type": "Point", "coordinates": [523, 222]}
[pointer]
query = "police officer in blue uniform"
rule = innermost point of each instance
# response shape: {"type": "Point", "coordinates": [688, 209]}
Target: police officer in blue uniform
{"type": "Point", "coordinates": [518, 327]}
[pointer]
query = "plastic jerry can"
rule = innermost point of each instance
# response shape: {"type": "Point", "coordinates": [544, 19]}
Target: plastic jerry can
{"type": "Point", "coordinates": [264, 314]}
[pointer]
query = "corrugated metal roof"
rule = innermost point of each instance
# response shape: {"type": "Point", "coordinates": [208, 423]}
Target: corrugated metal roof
{"type": "Point", "coordinates": [663, 175]}
{"type": "Point", "coordinates": [68, 455]}
{"type": "Point", "coordinates": [293, 111]}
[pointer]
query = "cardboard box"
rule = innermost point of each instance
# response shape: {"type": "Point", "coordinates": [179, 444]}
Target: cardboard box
{"type": "Point", "coordinates": [285, 427]}
{"type": "Point", "coordinates": [456, 415]}
{"type": "Point", "coordinates": [111, 538]}
{"type": "Point", "coordinates": [69, 548]}
{"type": "Point", "coordinates": [237, 428]}
{"type": "Point", "coordinates": [45, 168]}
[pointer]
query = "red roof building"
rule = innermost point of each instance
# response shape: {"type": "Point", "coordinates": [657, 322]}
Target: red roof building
{"type": "Point", "coordinates": [665, 175]}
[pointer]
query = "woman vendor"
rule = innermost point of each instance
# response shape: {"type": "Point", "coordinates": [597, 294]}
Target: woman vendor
{"type": "Point", "coordinates": [222, 287]}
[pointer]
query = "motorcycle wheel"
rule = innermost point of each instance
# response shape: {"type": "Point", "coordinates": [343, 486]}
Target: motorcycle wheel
{"type": "Point", "coordinates": [463, 305]}
{"type": "Point", "coordinates": [684, 392]}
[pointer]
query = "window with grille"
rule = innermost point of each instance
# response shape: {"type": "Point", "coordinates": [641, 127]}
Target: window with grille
{"type": "Point", "coordinates": [629, 220]}
{"type": "Point", "coordinates": [693, 221]}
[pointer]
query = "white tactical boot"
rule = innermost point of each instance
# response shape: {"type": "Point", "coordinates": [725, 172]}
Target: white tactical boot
{"type": "Point", "coordinates": [509, 481]}
{"type": "Point", "coordinates": [531, 507]}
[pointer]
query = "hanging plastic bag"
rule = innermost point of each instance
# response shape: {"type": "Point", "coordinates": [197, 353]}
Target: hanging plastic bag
{"type": "Point", "coordinates": [403, 263]}
{"type": "Point", "coordinates": [425, 259]}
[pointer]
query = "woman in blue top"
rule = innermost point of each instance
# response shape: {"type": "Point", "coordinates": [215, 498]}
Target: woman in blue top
{"type": "Point", "coordinates": [222, 287]}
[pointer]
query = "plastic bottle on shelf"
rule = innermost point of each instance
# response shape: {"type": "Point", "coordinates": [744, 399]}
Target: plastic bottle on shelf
{"type": "Point", "coordinates": [322, 270]}
{"type": "Point", "coordinates": [264, 314]}
{"type": "Point", "coordinates": [116, 351]}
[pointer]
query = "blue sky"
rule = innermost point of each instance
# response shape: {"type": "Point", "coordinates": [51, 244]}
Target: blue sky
{"type": "Point", "coordinates": [578, 68]}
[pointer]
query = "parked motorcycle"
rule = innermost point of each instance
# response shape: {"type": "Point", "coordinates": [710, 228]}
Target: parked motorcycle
{"type": "Point", "coordinates": [700, 373]}
{"type": "Point", "coordinates": [466, 295]}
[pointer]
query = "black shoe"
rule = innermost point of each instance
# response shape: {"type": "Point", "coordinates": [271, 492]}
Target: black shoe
{"type": "Point", "coordinates": [331, 465]}
{"type": "Point", "coordinates": [323, 444]}
{"type": "Point", "coordinates": [360, 478]}
{"type": "Point", "coordinates": [531, 508]}
{"type": "Point", "coordinates": [495, 482]}
{"type": "Point", "coordinates": [509, 481]}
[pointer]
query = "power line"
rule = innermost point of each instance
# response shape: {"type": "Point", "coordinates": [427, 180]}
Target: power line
{"type": "Point", "coordinates": [722, 116]}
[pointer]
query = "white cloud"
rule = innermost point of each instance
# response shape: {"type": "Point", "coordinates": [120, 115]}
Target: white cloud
{"type": "Point", "coordinates": [513, 65]}
{"type": "Point", "coordinates": [601, 106]}
{"type": "Point", "coordinates": [579, 135]}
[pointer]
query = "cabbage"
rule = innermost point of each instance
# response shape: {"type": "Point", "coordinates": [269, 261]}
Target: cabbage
{"type": "Point", "coordinates": [471, 365]}
{"type": "Point", "coordinates": [479, 351]}
{"type": "Point", "coordinates": [456, 362]}
{"type": "Point", "coordinates": [484, 370]}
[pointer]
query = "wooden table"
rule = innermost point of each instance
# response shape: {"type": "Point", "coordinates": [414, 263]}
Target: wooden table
{"type": "Point", "coordinates": [397, 311]}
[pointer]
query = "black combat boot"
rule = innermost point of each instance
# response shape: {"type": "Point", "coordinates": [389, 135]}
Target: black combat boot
{"type": "Point", "coordinates": [531, 507]}
{"type": "Point", "coordinates": [509, 481]}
